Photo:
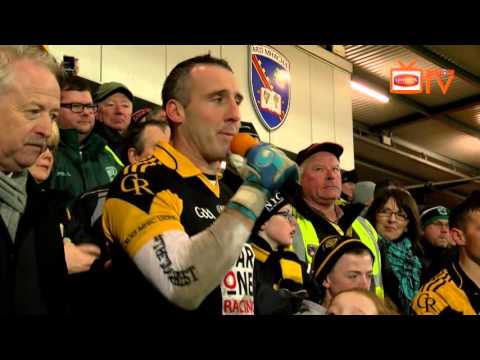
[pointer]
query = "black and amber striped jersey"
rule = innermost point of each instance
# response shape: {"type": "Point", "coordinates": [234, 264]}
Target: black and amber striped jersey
{"type": "Point", "coordinates": [166, 195]}
{"type": "Point", "coordinates": [450, 292]}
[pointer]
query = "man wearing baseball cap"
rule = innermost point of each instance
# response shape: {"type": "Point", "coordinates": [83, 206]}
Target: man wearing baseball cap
{"type": "Point", "coordinates": [439, 248]}
{"type": "Point", "coordinates": [349, 179]}
{"type": "Point", "coordinates": [115, 107]}
{"type": "Point", "coordinates": [340, 263]}
{"type": "Point", "coordinates": [317, 212]}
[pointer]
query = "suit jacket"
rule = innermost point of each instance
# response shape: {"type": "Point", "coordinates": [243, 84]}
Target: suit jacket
{"type": "Point", "coordinates": [33, 272]}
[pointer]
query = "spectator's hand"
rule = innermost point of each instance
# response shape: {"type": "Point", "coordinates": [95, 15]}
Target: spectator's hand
{"type": "Point", "coordinates": [79, 258]}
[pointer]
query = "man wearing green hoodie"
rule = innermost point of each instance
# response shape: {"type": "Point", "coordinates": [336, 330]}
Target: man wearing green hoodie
{"type": "Point", "coordinates": [83, 160]}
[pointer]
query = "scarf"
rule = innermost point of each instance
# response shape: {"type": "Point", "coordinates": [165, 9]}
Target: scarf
{"type": "Point", "coordinates": [13, 199]}
{"type": "Point", "coordinates": [406, 267]}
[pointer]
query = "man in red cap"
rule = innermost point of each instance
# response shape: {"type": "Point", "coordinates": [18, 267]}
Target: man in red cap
{"type": "Point", "coordinates": [317, 212]}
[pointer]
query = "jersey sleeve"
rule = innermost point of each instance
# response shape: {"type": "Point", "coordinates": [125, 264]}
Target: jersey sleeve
{"type": "Point", "coordinates": [138, 208]}
{"type": "Point", "coordinates": [428, 302]}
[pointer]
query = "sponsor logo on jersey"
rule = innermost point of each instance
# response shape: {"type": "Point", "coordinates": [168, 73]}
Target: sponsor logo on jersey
{"type": "Point", "coordinates": [203, 213]}
{"type": "Point", "coordinates": [237, 285]}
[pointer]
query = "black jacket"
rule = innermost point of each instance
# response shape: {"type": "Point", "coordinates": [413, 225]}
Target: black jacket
{"type": "Point", "coordinates": [435, 259]}
{"type": "Point", "coordinates": [113, 137]}
{"type": "Point", "coordinates": [279, 288]}
{"type": "Point", "coordinates": [33, 272]}
{"type": "Point", "coordinates": [90, 292]}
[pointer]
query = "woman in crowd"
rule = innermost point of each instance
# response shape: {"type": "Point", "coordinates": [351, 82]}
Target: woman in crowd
{"type": "Point", "coordinates": [79, 258]}
{"type": "Point", "coordinates": [395, 216]}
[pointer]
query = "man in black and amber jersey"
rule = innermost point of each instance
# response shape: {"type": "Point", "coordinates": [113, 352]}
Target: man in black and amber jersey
{"type": "Point", "coordinates": [173, 248]}
{"type": "Point", "coordinates": [456, 289]}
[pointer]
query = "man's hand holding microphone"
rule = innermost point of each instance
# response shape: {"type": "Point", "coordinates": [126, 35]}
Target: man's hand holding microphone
{"type": "Point", "coordinates": [264, 171]}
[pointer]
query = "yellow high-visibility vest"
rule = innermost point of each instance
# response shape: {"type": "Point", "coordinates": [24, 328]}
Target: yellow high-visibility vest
{"type": "Point", "coordinates": [362, 228]}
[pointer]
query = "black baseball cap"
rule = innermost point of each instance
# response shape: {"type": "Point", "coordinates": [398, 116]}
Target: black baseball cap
{"type": "Point", "coordinates": [349, 176]}
{"type": "Point", "coordinates": [272, 207]}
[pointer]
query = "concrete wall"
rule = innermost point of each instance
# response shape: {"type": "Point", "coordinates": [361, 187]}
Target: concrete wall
{"type": "Point", "coordinates": [321, 105]}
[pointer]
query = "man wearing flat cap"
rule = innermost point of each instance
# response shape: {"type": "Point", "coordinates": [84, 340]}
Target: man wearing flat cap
{"type": "Point", "coordinates": [317, 212]}
{"type": "Point", "coordinates": [115, 108]}
{"type": "Point", "coordinates": [439, 248]}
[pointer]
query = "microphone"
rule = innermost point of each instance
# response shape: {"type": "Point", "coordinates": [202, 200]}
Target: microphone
{"type": "Point", "coordinates": [242, 143]}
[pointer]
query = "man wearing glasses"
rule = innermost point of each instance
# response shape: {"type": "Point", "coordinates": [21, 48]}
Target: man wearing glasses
{"type": "Point", "coordinates": [83, 160]}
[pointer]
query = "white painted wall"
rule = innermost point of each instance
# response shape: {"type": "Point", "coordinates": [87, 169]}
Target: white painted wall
{"type": "Point", "coordinates": [89, 58]}
{"type": "Point", "coordinates": [140, 67]}
{"type": "Point", "coordinates": [321, 104]}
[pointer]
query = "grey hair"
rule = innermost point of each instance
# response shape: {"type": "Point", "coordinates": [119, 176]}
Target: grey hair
{"type": "Point", "coordinates": [10, 54]}
{"type": "Point", "coordinates": [302, 167]}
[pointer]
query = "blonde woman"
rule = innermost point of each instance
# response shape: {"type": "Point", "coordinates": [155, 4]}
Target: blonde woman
{"type": "Point", "coordinates": [78, 258]}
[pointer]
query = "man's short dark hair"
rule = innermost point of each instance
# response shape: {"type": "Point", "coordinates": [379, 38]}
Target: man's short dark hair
{"type": "Point", "coordinates": [75, 83]}
{"type": "Point", "coordinates": [177, 81]}
{"type": "Point", "coordinates": [459, 214]}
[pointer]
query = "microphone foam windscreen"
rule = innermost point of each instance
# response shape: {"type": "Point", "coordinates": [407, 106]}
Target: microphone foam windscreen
{"type": "Point", "coordinates": [241, 143]}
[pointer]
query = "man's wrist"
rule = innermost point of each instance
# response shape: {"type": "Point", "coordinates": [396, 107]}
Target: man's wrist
{"type": "Point", "coordinates": [250, 200]}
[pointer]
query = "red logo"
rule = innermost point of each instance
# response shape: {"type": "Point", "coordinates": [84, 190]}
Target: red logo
{"type": "Point", "coordinates": [406, 80]}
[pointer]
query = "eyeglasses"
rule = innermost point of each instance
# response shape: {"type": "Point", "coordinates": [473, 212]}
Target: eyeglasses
{"type": "Point", "coordinates": [400, 215]}
{"type": "Point", "coordinates": [78, 108]}
{"type": "Point", "coordinates": [287, 214]}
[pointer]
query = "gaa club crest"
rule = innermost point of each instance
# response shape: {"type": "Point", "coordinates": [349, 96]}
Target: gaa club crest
{"type": "Point", "coordinates": [269, 85]}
